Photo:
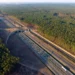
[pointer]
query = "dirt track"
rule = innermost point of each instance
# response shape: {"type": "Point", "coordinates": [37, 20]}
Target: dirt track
{"type": "Point", "coordinates": [20, 49]}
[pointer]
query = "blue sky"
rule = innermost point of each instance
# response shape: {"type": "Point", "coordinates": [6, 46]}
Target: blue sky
{"type": "Point", "coordinates": [31, 1]}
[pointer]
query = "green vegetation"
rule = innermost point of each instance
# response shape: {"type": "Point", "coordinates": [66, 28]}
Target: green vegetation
{"type": "Point", "coordinates": [6, 60]}
{"type": "Point", "coordinates": [55, 21]}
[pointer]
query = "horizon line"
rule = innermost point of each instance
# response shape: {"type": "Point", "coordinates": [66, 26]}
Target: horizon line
{"type": "Point", "coordinates": [35, 2]}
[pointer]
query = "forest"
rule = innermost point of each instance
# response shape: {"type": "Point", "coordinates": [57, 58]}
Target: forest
{"type": "Point", "coordinates": [7, 61]}
{"type": "Point", "coordinates": [55, 21]}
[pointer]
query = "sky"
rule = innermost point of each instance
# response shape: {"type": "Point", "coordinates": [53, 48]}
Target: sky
{"type": "Point", "coordinates": [37, 1]}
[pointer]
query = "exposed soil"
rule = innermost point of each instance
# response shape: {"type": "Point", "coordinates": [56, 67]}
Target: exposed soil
{"type": "Point", "coordinates": [19, 49]}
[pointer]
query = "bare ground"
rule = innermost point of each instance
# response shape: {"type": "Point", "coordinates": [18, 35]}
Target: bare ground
{"type": "Point", "coordinates": [19, 49]}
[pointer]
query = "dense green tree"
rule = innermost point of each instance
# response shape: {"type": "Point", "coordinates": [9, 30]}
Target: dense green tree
{"type": "Point", "coordinates": [6, 60]}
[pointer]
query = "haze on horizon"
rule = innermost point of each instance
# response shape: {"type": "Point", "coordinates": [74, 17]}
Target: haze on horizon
{"type": "Point", "coordinates": [37, 1]}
